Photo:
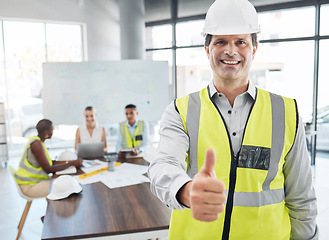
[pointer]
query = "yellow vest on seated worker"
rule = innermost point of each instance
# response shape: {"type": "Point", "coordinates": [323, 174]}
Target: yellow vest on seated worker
{"type": "Point", "coordinates": [133, 133]}
{"type": "Point", "coordinates": [91, 131]}
{"type": "Point", "coordinates": [35, 164]}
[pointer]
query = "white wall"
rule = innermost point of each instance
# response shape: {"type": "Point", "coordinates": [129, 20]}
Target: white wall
{"type": "Point", "coordinates": [100, 16]}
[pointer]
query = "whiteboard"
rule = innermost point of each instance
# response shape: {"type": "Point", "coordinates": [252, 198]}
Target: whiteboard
{"type": "Point", "coordinates": [108, 86]}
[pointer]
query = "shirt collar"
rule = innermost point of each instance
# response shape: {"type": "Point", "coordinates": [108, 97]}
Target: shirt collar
{"type": "Point", "coordinates": [251, 89]}
{"type": "Point", "coordinates": [135, 124]}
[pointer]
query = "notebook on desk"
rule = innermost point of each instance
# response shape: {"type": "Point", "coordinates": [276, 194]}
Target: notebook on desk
{"type": "Point", "coordinates": [90, 150]}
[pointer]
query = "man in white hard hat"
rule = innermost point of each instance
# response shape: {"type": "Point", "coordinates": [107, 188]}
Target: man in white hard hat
{"type": "Point", "coordinates": [232, 158]}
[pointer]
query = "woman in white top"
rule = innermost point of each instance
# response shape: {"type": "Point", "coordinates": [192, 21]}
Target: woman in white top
{"type": "Point", "coordinates": [90, 132]}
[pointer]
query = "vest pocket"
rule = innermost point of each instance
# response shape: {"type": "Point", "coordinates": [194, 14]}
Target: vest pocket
{"type": "Point", "coordinates": [254, 157]}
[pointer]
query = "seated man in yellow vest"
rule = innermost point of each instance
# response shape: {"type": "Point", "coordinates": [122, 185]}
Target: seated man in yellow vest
{"type": "Point", "coordinates": [232, 158]}
{"type": "Point", "coordinates": [133, 133]}
{"type": "Point", "coordinates": [35, 165]}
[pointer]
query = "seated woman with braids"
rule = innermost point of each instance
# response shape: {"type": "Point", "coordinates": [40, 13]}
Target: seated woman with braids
{"type": "Point", "coordinates": [35, 165]}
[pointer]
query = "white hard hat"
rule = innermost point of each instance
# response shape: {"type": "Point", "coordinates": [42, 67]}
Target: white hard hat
{"type": "Point", "coordinates": [67, 155]}
{"type": "Point", "coordinates": [64, 186]}
{"type": "Point", "coordinates": [229, 17]}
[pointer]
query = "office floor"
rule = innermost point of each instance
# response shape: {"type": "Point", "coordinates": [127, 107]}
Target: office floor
{"type": "Point", "coordinates": [12, 205]}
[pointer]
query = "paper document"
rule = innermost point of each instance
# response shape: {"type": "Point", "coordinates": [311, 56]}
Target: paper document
{"type": "Point", "coordinates": [69, 170]}
{"type": "Point", "coordinates": [115, 180]}
{"type": "Point", "coordinates": [131, 168]}
{"type": "Point", "coordinates": [125, 175]}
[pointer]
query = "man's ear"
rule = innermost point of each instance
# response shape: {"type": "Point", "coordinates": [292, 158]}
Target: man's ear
{"type": "Point", "coordinates": [207, 50]}
{"type": "Point", "coordinates": [254, 50]}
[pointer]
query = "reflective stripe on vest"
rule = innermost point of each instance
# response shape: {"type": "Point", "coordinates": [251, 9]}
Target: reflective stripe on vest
{"type": "Point", "coordinates": [127, 140]}
{"type": "Point", "coordinates": [254, 180]}
{"type": "Point", "coordinates": [28, 174]}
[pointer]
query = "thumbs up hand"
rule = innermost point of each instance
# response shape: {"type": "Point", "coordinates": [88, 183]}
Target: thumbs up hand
{"type": "Point", "coordinates": [205, 193]}
{"type": "Point", "coordinates": [209, 164]}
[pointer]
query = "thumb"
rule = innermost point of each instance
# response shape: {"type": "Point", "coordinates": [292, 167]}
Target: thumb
{"type": "Point", "coordinates": [209, 163]}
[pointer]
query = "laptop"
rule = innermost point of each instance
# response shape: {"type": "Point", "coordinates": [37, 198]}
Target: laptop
{"type": "Point", "coordinates": [90, 150]}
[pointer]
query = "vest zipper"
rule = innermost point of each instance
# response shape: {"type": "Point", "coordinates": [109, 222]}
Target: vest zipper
{"type": "Point", "coordinates": [230, 196]}
{"type": "Point", "coordinates": [234, 164]}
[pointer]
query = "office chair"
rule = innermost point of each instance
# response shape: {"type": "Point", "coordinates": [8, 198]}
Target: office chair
{"type": "Point", "coordinates": [27, 206]}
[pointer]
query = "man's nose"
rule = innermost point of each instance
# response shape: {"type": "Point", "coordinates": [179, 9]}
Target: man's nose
{"type": "Point", "coordinates": [231, 49]}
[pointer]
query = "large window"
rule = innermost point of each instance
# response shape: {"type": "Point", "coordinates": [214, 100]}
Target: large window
{"type": "Point", "coordinates": [323, 100]}
{"type": "Point", "coordinates": [158, 36]}
{"type": "Point", "coordinates": [25, 47]}
{"type": "Point", "coordinates": [2, 72]}
{"type": "Point", "coordinates": [277, 68]}
{"type": "Point", "coordinates": [189, 33]}
{"type": "Point", "coordinates": [324, 26]}
{"type": "Point", "coordinates": [193, 70]}
{"type": "Point", "coordinates": [24, 55]}
{"type": "Point", "coordinates": [292, 23]}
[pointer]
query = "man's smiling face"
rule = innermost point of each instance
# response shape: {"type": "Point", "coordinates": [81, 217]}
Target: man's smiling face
{"type": "Point", "coordinates": [231, 56]}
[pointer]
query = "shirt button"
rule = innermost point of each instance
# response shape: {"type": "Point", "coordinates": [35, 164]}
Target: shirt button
{"type": "Point", "coordinates": [229, 111]}
{"type": "Point", "coordinates": [219, 94]}
{"type": "Point", "coordinates": [234, 133]}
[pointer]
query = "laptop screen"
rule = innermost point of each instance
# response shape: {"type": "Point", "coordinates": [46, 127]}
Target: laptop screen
{"type": "Point", "coordinates": [90, 150]}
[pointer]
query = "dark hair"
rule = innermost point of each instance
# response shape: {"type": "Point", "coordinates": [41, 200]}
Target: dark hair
{"type": "Point", "coordinates": [44, 125]}
{"type": "Point", "coordinates": [208, 40]}
{"type": "Point", "coordinates": [130, 106]}
{"type": "Point", "coordinates": [89, 108]}
{"type": "Point", "coordinates": [254, 38]}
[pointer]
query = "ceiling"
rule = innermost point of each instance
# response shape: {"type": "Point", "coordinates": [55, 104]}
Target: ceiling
{"type": "Point", "coordinates": [156, 10]}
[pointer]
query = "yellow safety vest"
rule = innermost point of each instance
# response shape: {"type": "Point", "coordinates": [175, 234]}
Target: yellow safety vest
{"type": "Point", "coordinates": [27, 174]}
{"type": "Point", "coordinates": [127, 140]}
{"type": "Point", "coordinates": [254, 180]}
